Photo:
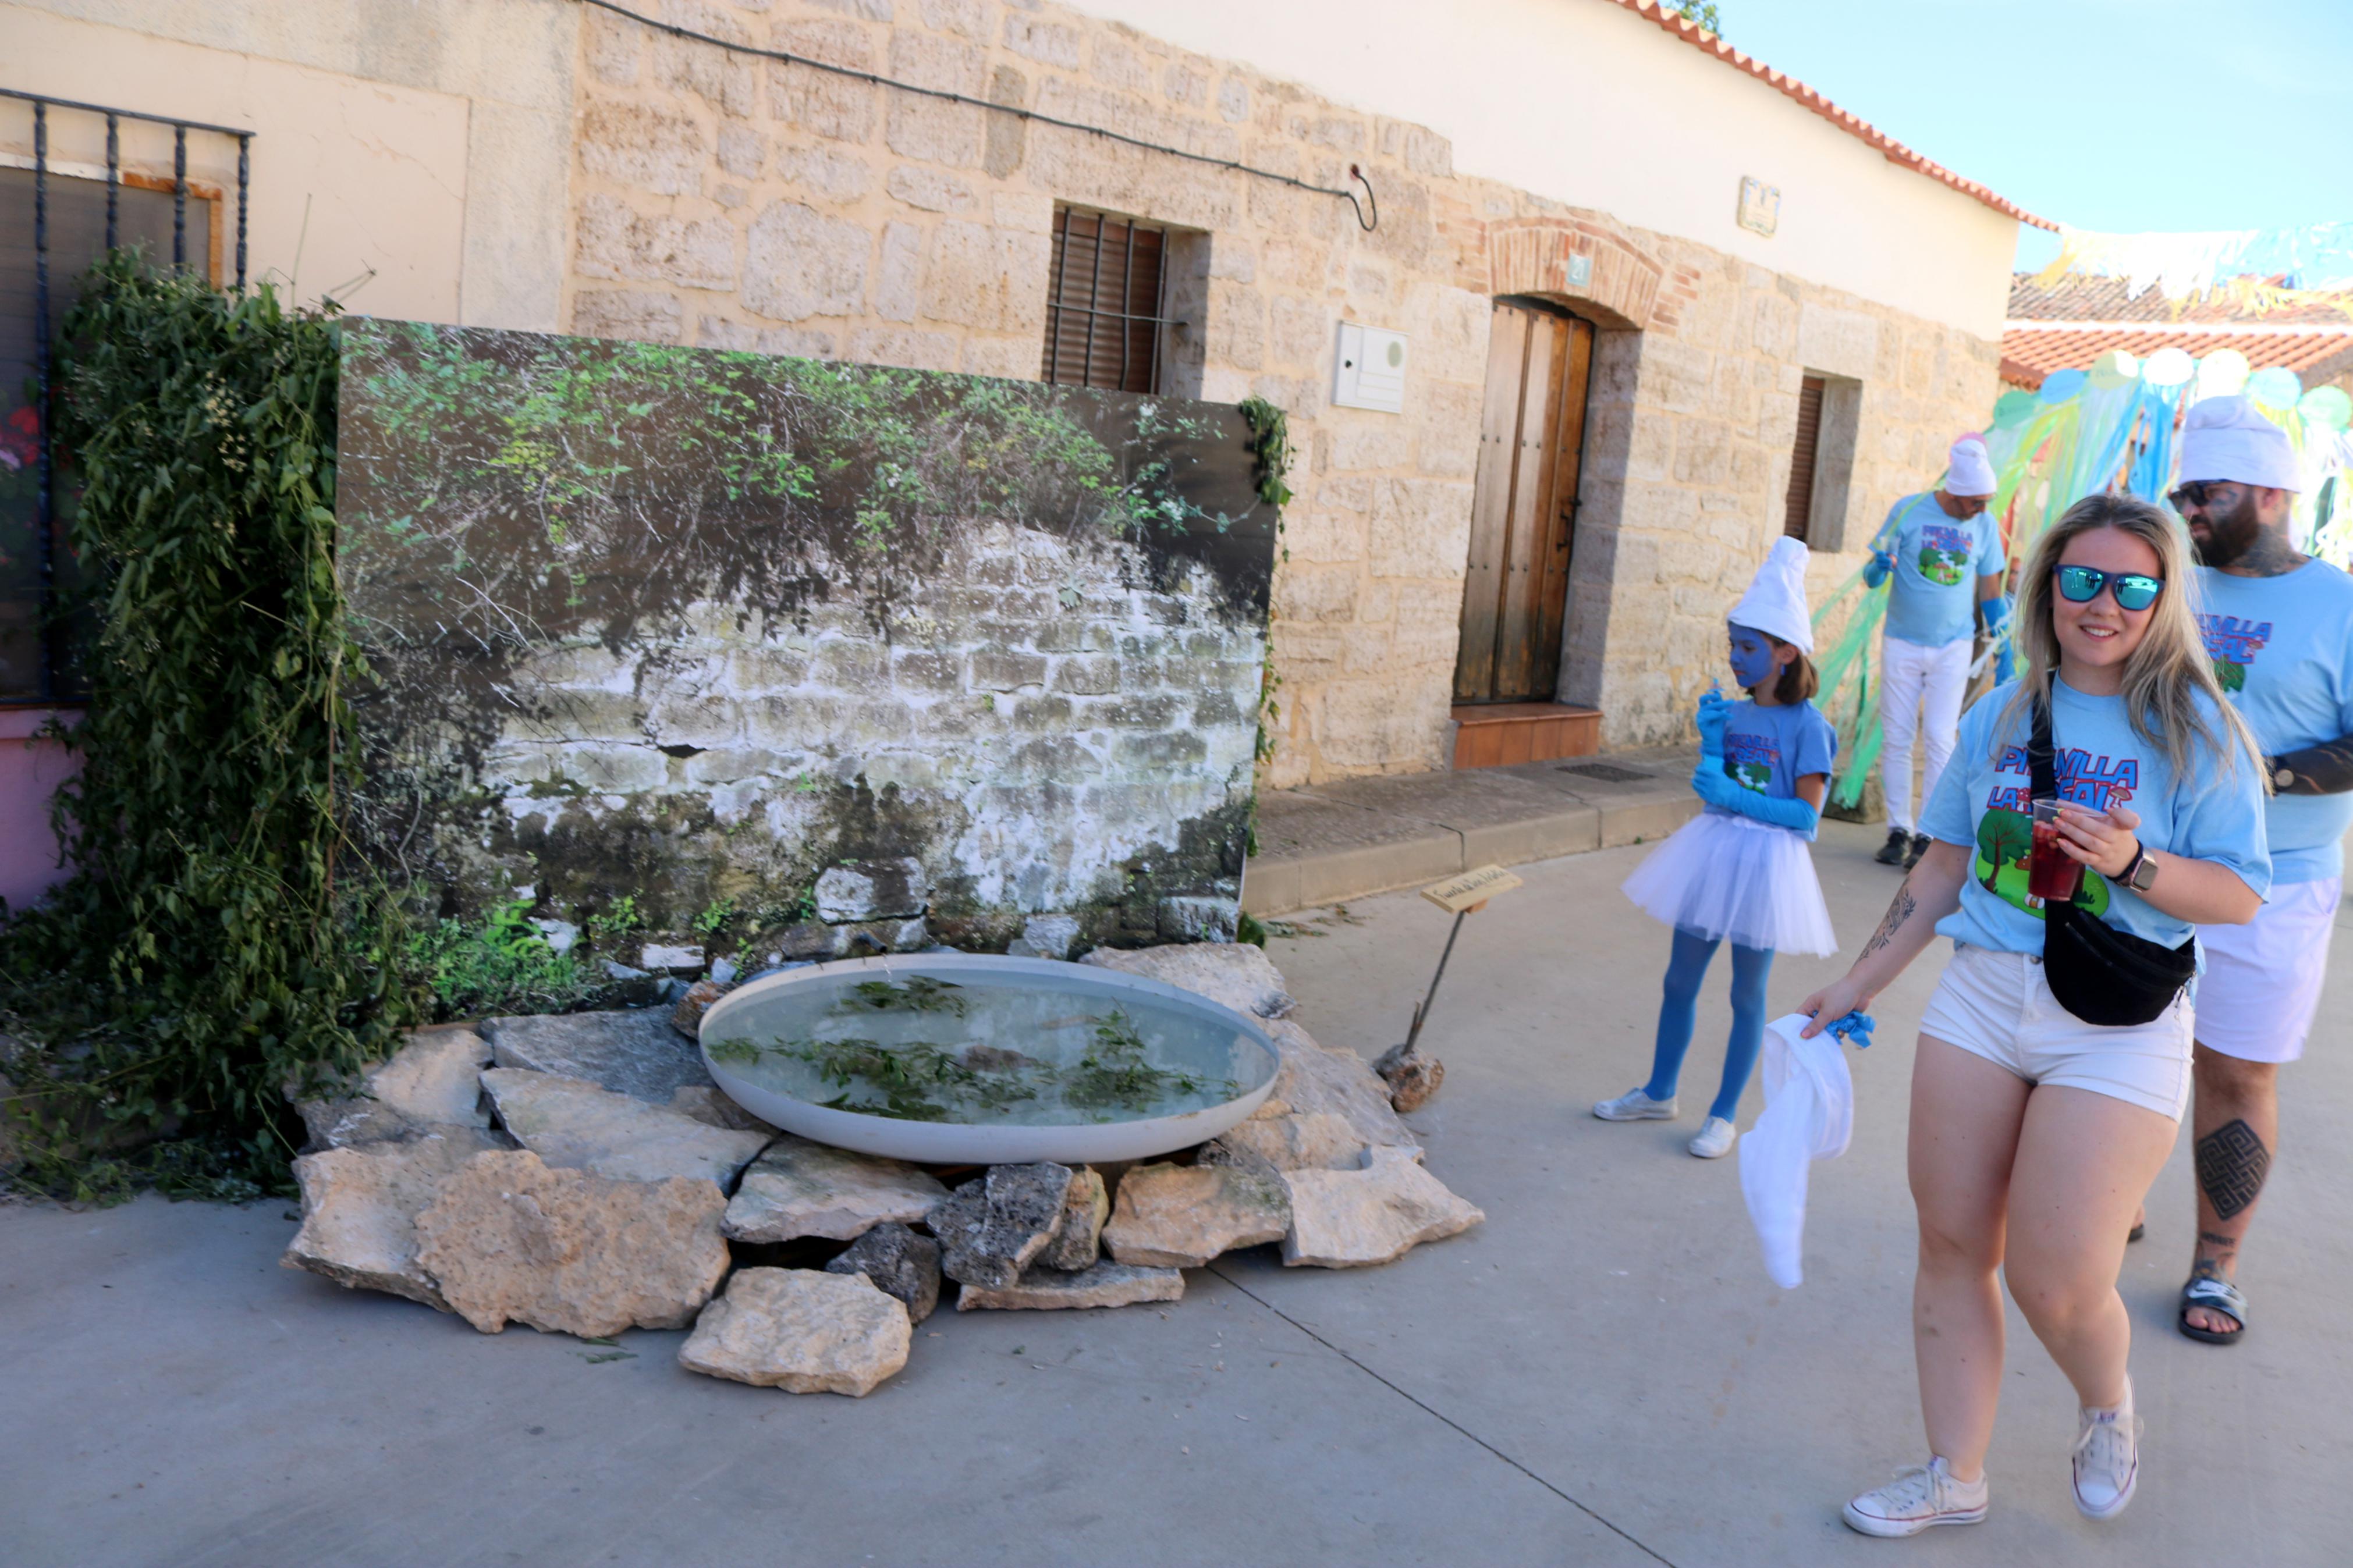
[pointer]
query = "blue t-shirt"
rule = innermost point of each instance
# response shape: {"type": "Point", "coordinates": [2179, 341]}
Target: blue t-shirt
{"type": "Point", "coordinates": [1933, 596]}
{"type": "Point", "coordinates": [1768, 750]}
{"type": "Point", "coordinates": [1981, 803]}
{"type": "Point", "coordinates": [2283, 647]}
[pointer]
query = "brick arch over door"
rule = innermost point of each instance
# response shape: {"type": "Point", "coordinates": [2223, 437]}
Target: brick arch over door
{"type": "Point", "coordinates": [1537, 257]}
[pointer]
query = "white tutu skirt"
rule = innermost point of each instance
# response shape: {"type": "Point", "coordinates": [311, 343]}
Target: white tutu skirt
{"type": "Point", "coordinates": [1724, 875]}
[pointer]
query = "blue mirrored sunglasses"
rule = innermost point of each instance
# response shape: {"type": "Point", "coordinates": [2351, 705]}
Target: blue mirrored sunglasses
{"type": "Point", "coordinates": [2133, 590]}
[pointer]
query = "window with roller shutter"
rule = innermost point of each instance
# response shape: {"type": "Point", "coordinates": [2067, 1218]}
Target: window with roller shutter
{"type": "Point", "coordinates": [1106, 298]}
{"type": "Point", "coordinates": [1799, 504]}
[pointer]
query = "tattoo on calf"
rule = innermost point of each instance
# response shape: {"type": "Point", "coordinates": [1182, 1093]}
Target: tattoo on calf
{"type": "Point", "coordinates": [1898, 913]}
{"type": "Point", "coordinates": [2232, 1164]}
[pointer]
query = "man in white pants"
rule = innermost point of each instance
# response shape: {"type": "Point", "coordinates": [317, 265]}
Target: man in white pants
{"type": "Point", "coordinates": [1944, 552]}
{"type": "Point", "coordinates": [2279, 627]}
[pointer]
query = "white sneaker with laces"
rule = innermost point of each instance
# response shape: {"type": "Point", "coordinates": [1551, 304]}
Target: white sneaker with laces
{"type": "Point", "coordinates": [1635, 1106]}
{"type": "Point", "coordinates": [2106, 1458]}
{"type": "Point", "coordinates": [1714, 1140]}
{"type": "Point", "coordinates": [1919, 1497]}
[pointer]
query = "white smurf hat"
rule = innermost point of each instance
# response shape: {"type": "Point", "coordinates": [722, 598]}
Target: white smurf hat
{"type": "Point", "coordinates": [1968, 470]}
{"type": "Point", "coordinates": [2227, 439]}
{"type": "Point", "coordinates": [1775, 601]}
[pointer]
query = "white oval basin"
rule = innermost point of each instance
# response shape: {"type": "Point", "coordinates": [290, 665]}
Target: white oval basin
{"type": "Point", "coordinates": [1109, 1066]}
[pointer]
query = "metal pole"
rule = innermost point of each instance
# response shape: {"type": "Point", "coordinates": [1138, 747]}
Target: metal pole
{"type": "Point", "coordinates": [1422, 1012]}
{"type": "Point", "coordinates": [114, 175]}
{"type": "Point", "coordinates": [44, 495]}
{"type": "Point", "coordinates": [179, 195]}
{"type": "Point", "coordinates": [243, 152]}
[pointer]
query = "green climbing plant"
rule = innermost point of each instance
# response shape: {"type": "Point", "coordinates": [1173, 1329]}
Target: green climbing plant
{"type": "Point", "coordinates": [214, 941]}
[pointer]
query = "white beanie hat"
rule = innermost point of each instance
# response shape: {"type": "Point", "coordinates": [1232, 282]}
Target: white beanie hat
{"type": "Point", "coordinates": [2227, 439]}
{"type": "Point", "coordinates": [1969, 468]}
{"type": "Point", "coordinates": [1775, 601]}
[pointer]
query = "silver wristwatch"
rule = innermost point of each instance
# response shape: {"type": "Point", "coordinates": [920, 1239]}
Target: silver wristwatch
{"type": "Point", "coordinates": [2141, 875]}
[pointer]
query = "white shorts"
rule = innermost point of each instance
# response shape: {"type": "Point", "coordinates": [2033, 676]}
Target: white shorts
{"type": "Point", "coordinates": [2261, 984]}
{"type": "Point", "coordinates": [1999, 1006]}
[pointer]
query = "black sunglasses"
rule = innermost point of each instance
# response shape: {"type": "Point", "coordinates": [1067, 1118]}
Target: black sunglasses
{"type": "Point", "coordinates": [2133, 590]}
{"type": "Point", "coordinates": [2194, 493]}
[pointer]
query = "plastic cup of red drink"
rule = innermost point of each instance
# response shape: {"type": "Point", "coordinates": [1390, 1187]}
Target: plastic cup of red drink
{"type": "Point", "coordinates": [2052, 875]}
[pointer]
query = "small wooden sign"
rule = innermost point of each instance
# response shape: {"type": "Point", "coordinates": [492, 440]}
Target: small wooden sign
{"type": "Point", "coordinates": [1471, 889]}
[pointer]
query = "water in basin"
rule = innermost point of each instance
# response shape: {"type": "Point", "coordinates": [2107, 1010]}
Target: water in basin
{"type": "Point", "coordinates": [980, 1051]}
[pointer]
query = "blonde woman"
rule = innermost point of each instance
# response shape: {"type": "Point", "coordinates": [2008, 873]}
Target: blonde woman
{"type": "Point", "coordinates": [2034, 1132]}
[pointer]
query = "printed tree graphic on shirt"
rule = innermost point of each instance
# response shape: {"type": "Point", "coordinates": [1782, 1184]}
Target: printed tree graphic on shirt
{"type": "Point", "coordinates": [2005, 845]}
{"type": "Point", "coordinates": [1943, 566]}
{"type": "Point", "coordinates": [2234, 677]}
{"type": "Point", "coordinates": [1758, 776]}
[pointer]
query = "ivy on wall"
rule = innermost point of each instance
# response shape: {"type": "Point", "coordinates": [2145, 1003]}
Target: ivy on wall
{"type": "Point", "coordinates": [214, 943]}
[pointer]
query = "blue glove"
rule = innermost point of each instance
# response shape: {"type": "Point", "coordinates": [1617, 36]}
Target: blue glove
{"type": "Point", "coordinates": [1996, 614]}
{"type": "Point", "coordinates": [1714, 709]}
{"type": "Point", "coordinates": [1854, 1029]}
{"type": "Point", "coordinates": [1790, 813]}
{"type": "Point", "coordinates": [1876, 570]}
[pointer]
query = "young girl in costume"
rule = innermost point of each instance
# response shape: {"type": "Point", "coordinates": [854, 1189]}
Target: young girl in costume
{"type": "Point", "coordinates": [2054, 1057]}
{"type": "Point", "coordinates": [1740, 869]}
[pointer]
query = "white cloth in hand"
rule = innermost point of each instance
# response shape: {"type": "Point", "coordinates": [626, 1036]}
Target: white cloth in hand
{"type": "Point", "coordinates": [1809, 1116]}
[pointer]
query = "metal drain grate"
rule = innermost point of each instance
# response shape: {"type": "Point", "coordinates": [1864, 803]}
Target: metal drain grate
{"type": "Point", "coordinates": [1607, 772]}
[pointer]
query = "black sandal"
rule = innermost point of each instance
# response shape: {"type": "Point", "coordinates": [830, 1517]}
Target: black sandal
{"type": "Point", "coordinates": [2215, 1294]}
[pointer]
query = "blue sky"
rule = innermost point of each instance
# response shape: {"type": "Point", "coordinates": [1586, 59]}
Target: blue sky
{"type": "Point", "coordinates": [2123, 115]}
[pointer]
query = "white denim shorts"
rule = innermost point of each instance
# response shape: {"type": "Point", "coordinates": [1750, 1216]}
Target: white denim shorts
{"type": "Point", "coordinates": [1998, 1005]}
{"type": "Point", "coordinates": [2261, 984]}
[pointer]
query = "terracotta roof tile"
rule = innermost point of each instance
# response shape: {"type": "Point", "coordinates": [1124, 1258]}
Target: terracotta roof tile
{"type": "Point", "coordinates": [2030, 354]}
{"type": "Point", "coordinates": [2077, 298]}
{"type": "Point", "coordinates": [1862, 130]}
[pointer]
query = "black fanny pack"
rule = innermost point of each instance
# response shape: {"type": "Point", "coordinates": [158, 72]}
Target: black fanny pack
{"type": "Point", "coordinates": [2099, 973]}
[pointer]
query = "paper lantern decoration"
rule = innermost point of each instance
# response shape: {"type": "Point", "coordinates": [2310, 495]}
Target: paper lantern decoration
{"type": "Point", "coordinates": [2012, 408]}
{"type": "Point", "coordinates": [2326, 406]}
{"type": "Point", "coordinates": [2169, 367]}
{"type": "Point", "coordinates": [2062, 384]}
{"type": "Point", "coordinates": [2117, 367]}
{"type": "Point", "coordinates": [2275, 387]}
{"type": "Point", "coordinates": [2220, 374]}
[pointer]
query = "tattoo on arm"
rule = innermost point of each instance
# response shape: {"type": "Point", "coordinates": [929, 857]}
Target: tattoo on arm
{"type": "Point", "coordinates": [1902, 910]}
{"type": "Point", "coordinates": [2232, 1164]}
{"type": "Point", "coordinates": [2323, 769]}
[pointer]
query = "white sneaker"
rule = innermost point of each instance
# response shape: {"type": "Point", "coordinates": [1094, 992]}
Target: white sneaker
{"type": "Point", "coordinates": [1919, 1497]}
{"type": "Point", "coordinates": [1714, 1140]}
{"type": "Point", "coordinates": [1635, 1106]}
{"type": "Point", "coordinates": [2106, 1458]}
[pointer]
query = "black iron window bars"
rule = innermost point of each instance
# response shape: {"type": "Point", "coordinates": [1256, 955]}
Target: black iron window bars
{"type": "Point", "coordinates": [1107, 304]}
{"type": "Point", "coordinates": [50, 684]}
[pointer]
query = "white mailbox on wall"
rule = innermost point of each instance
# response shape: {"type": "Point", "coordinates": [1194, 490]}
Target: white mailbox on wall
{"type": "Point", "coordinates": [1369, 370]}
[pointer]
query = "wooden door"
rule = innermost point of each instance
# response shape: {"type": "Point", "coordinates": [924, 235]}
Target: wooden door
{"type": "Point", "coordinates": [1524, 505]}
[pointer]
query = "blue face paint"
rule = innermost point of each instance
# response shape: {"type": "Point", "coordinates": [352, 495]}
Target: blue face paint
{"type": "Point", "coordinates": [1752, 658]}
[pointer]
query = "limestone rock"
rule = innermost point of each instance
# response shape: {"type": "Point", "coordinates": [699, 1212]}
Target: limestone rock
{"type": "Point", "coordinates": [574, 1125]}
{"type": "Point", "coordinates": [1104, 1285]}
{"type": "Point", "coordinates": [565, 1252]}
{"type": "Point", "coordinates": [799, 1188]}
{"type": "Point", "coordinates": [656, 957]}
{"type": "Point", "coordinates": [1049, 936]}
{"type": "Point", "coordinates": [1079, 1243]}
{"type": "Point", "coordinates": [1314, 1081]}
{"type": "Point", "coordinates": [991, 1230]}
{"type": "Point", "coordinates": [1289, 1142]}
{"type": "Point", "coordinates": [1235, 974]}
{"type": "Point", "coordinates": [360, 1207]}
{"type": "Point", "coordinates": [434, 1080]}
{"type": "Point", "coordinates": [872, 891]}
{"type": "Point", "coordinates": [1180, 1216]}
{"type": "Point", "coordinates": [686, 1016]}
{"type": "Point", "coordinates": [899, 1262]}
{"type": "Point", "coordinates": [801, 1330]}
{"type": "Point", "coordinates": [1412, 1077]}
{"type": "Point", "coordinates": [1344, 1219]}
{"type": "Point", "coordinates": [709, 1104]}
{"type": "Point", "coordinates": [633, 1052]}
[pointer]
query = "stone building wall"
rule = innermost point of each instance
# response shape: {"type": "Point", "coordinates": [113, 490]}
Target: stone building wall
{"type": "Point", "coordinates": [730, 202]}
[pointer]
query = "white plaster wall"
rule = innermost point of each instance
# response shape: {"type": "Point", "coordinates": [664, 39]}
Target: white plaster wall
{"type": "Point", "coordinates": [428, 140]}
{"type": "Point", "coordinates": [1584, 102]}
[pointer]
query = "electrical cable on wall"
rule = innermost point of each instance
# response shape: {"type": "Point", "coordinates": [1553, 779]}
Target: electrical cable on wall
{"type": "Point", "coordinates": [787, 58]}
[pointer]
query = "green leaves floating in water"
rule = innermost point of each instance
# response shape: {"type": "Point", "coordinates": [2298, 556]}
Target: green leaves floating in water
{"type": "Point", "coordinates": [921, 994]}
{"type": "Point", "coordinates": [920, 1081]}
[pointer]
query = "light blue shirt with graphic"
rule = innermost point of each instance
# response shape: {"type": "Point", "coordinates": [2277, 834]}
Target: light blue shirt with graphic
{"type": "Point", "coordinates": [1931, 598]}
{"type": "Point", "coordinates": [1982, 804]}
{"type": "Point", "coordinates": [1768, 750]}
{"type": "Point", "coordinates": [2282, 648]}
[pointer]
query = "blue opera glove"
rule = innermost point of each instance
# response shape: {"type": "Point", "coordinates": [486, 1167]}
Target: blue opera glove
{"type": "Point", "coordinates": [1788, 812]}
{"type": "Point", "coordinates": [1714, 712]}
{"type": "Point", "coordinates": [1876, 570]}
{"type": "Point", "coordinates": [1996, 614]}
{"type": "Point", "coordinates": [1854, 1029]}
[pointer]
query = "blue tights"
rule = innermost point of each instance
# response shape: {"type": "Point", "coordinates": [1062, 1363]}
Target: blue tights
{"type": "Point", "coordinates": [1679, 1012]}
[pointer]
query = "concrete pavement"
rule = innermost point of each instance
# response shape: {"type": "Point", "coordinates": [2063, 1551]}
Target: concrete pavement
{"type": "Point", "coordinates": [1600, 1374]}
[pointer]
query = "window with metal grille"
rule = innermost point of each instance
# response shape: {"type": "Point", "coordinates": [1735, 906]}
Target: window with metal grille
{"type": "Point", "coordinates": [1798, 506]}
{"type": "Point", "coordinates": [1106, 302]}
